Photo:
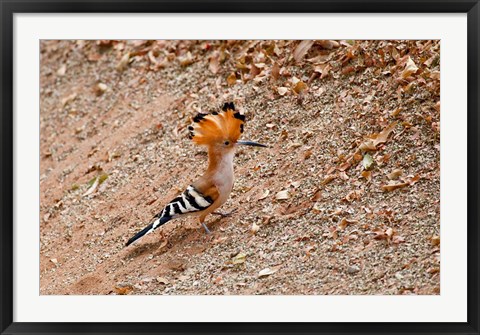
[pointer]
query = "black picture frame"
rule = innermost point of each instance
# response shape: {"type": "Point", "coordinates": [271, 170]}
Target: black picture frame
{"type": "Point", "coordinates": [9, 8]}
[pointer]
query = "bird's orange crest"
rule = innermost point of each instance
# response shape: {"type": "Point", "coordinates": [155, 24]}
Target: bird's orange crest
{"type": "Point", "coordinates": [217, 128]}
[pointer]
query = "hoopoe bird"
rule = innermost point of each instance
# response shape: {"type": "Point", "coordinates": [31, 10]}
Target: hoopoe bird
{"type": "Point", "coordinates": [220, 133]}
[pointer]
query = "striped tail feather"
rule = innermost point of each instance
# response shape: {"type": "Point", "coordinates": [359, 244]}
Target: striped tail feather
{"type": "Point", "coordinates": [148, 229]}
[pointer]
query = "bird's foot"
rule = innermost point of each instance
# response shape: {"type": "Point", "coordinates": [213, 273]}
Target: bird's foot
{"type": "Point", "coordinates": [206, 228]}
{"type": "Point", "coordinates": [224, 215]}
{"type": "Point", "coordinates": [162, 235]}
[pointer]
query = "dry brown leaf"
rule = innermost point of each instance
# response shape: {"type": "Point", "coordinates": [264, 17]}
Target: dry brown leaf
{"type": "Point", "coordinates": [367, 175]}
{"type": "Point", "coordinates": [294, 80]}
{"type": "Point", "coordinates": [433, 59]}
{"type": "Point", "coordinates": [345, 166]}
{"type": "Point", "coordinates": [231, 79]}
{"type": "Point", "coordinates": [397, 239]}
{"type": "Point", "coordinates": [186, 59]}
{"type": "Point", "coordinates": [323, 69]}
{"type": "Point", "coordinates": [264, 195]}
{"type": "Point", "coordinates": [100, 88]}
{"type": "Point", "coordinates": [414, 180]}
{"type": "Point", "coordinates": [343, 175]}
{"type": "Point", "coordinates": [410, 68]}
{"type": "Point", "coordinates": [156, 64]}
{"type": "Point", "coordinates": [353, 195]}
{"type": "Point", "coordinates": [393, 186]}
{"type": "Point", "coordinates": [317, 196]}
{"type": "Point", "coordinates": [254, 71]}
{"type": "Point", "coordinates": [317, 208]}
{"type": "Point", "coordinates": [368, 145]}
{"type": "Point", "coordinates": [275, 73]}
{"type": "Point", "coordinates": [123, 63]}
{"type": "Point", "coordinates": [395, 54]}
{"type": "Point", "coordinates": [266, 219]}
{"type": "Point", "coordinates": [371, 144]}
{"type": "Point", "coordinates": [367, 162]}
{"type": "Point", "coordinates": [299, 87]}
{"type": "Point", "coordinates": [151, 57]}
{"type": "Point", "coordinates": [380, 234]}
{"type": "Point", "coordinates": [124, 290]}
{"type": "Point", "coordinates": [302, 49]}
{"type": "Point", "coordinates": [389, 232]}
{"type": "Point", "coordinates": [163, 280]}
{"type": "Point", "coordinates": [318, 59]}
{"type": "Point", "coordinates": [395, 112]}
{"type": "Point", "coordinates": [328, 44]}
{"type": "Point", "coordinates": [93, 57]}
{"type": "Point", "coordinates": [309, 249]}
{"type": "Point", "coordinates": [268, 271]}
{"type": "Point", "coordinates": [296, 145]}
{"type": "Point", "coordinates": [239, 258]}
{"type": "Point", "coordinates": [282, 195]}
{"type": "Point", "coordinates": [344, 223]}
{"type": "Point", "coordinates": [255, 228]}
{"type": "Point", "coordinates": [69, 99]}
{"type": "Point", "coordinates": [296, 184]}
{"type": "Point", "coordinates": [93, 187]}
{"type": "Point", "coordinates": [307, 154]}
{"type": "Point", "coordinates": [282, 90]}
{"type": "Point", "coordinates": [395, 174]}
{"type": "Point", "coordinates": [435, 240]}
{"type": "Point", "coordinates": [240, 65]}
{"type": "Point", "coordinates": [348, 69]}
{"type": "Point", "coordinates": [435, 75]}
{"type": "Point", "coordinates": [328, 178]}
{"type": "Point", "coordinates": [61, 71]}
{"type": "Point", "coordinates": [383, 136]}
{"type": "Point", "coordinates": [214, 62]}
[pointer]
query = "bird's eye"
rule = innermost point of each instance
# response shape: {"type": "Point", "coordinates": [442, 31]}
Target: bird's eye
{"type": "Point", "coordinates": [226, 142]}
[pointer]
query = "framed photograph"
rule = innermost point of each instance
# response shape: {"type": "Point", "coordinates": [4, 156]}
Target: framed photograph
{"type": "Point", "coordinates": [239, 167]}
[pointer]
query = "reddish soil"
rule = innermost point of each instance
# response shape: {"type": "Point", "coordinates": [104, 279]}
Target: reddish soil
{"type": "Point", "coordinates": [345, 201]}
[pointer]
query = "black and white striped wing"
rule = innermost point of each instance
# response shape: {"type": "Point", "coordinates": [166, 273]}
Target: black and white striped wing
{"type": "Point", "coordinates": [190, 201]}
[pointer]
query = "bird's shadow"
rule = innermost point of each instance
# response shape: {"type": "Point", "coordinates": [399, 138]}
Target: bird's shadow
{"type": "Point", "coordinates": [146, 248]}
{"type": "Point", "coordinates": [176, 237]}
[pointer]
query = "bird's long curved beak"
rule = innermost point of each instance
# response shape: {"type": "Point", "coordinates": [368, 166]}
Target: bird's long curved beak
{"type": "Point", "coordinates": [253, 144]}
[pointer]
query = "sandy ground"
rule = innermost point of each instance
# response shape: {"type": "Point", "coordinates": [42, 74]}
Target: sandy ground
{"type": "Point", "coordinates": [345, 200]}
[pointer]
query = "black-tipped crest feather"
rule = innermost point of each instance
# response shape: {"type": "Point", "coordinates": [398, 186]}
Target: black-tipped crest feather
{"type": "Point", "coordinates": [227, 106]}
{"type": "Point", "coordinates": [217, 127]}
{"type": "Point", "coordinates": [199, 117]}
{"type": "Point", "coordinates": [239, 116]}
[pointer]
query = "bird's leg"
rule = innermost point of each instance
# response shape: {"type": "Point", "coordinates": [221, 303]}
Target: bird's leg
{"type": "Point", "coordinates": [206, 228]}
{"type": "Point", "coordinates": [162, 235]}
{"type": "Point", "coordinates": [224, 215]}
{"type": "Point", "coordinates": [204, 225]}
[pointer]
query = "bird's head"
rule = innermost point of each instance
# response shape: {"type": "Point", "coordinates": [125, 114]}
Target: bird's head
{"type": "Point", "coordinates": [220, 130]}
